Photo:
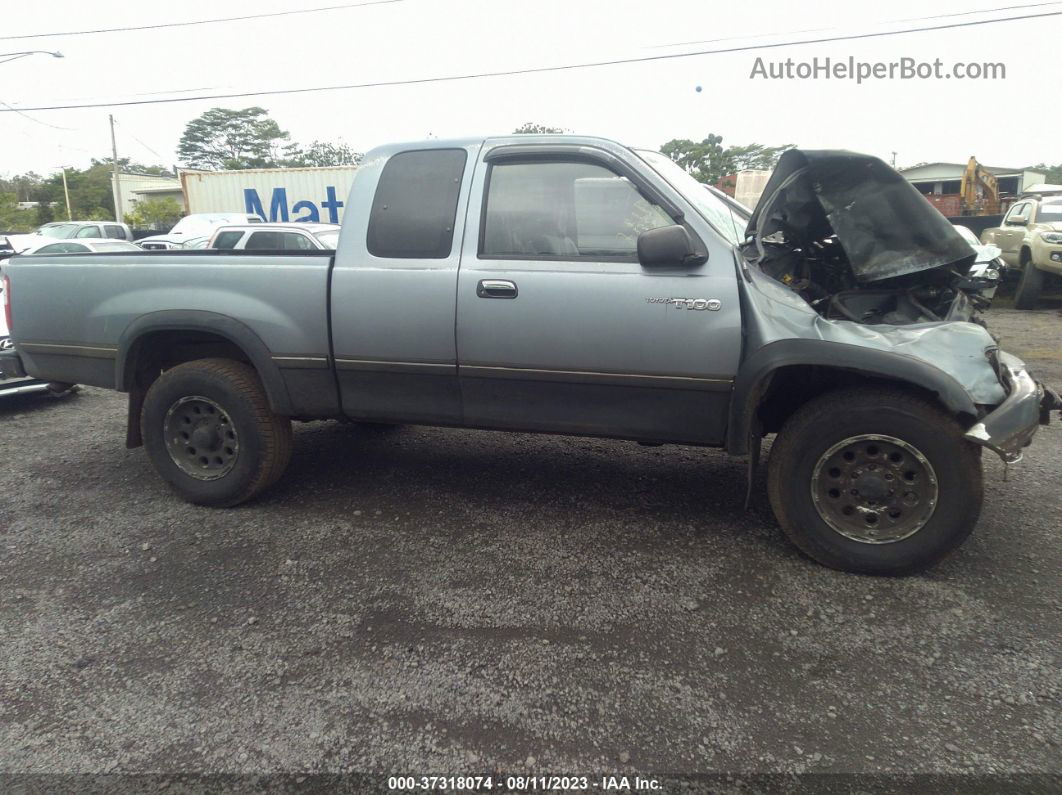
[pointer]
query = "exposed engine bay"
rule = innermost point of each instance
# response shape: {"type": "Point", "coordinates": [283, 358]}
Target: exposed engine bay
{"type": "Point", "coordinates": [858, 242]}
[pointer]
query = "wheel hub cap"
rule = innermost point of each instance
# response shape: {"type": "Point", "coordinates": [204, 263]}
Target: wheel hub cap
{"type": "Point", "coordinates": [874, 489]}
{"type": "Point", "coordinates": [200, 438]}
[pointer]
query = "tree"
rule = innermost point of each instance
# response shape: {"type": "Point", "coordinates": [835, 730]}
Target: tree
{"type": "Point", "coordinates": [132, 167]}
{"type": "Point", "coordinates": [26, 187]}
{"type": "Point", "coordinates": [45, 214]}
{"type": "Point", "coordinates": [322, 153]}
{"type": "Point", "coordinates": [1052, 174]}
{"type": "Point", "coordinates": [155, 213]}
{"type": "Point", "coordinates": [531, 128]}
{"type": "Point", "coordinates": [90, 192]}
{"type": "Point", "coordinates": [707, 161]}
{"type": "Point", "coordinates": [12, 218]}
{"type": "Point", "coordinates": [756, 156]}
{"type": "Point", "coordinates": [232, 139]}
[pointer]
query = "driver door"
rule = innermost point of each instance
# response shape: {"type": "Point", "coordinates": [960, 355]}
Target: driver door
{"type": "Point", "coordinates": [560, 329]}
{"type": "Point", "coordinates": [1012, 232]}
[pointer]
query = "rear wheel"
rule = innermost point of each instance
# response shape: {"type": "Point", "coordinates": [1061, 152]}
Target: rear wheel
{"type": "Point", "coordinates": [875, 481]}
{"type": "Point", "coordinates": [1029, 287]}
{"type": "Point", "coordinates": [210, 433]}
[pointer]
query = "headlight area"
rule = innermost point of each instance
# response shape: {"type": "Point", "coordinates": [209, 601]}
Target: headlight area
{"type": "Point", "coordinates": [1051, 237]}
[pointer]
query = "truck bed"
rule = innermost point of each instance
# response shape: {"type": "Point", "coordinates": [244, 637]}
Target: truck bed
{"type": "Point", "coordinates": [96, 302]}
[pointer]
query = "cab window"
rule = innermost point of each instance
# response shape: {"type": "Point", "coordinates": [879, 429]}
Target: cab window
{"type": "Point", "coordinates": [564, 210]}
{"type": "Point", "coordinates": [114, 231]}
{"type": "Point", "coordinates": [278, 241]}
{"type": "Point", "coordinates": [415, 207]}
{"type": "Point", "coordinates": [62, 248]}
{"type": "Point", "coordinates": [88, 231]}
{"type": "Point", "coordinates": [1019, 212]}
{"type": "Point", "coordinates": [227, 240]}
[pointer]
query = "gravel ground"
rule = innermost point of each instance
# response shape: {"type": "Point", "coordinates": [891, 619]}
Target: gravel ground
{"type": "Point", "coordinates": [425, 600]}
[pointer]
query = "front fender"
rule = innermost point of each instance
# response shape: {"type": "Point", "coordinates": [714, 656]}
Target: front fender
{"type": "Point", "coordinates": [755, 376]}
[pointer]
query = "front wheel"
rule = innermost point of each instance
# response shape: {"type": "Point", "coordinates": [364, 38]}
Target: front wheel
{"type": "Point", "coordinates": [874, 481]}
{"type": "Point", "coordinates": [210, 433]}
{"type": "Point", "coordinates": [1029, 288]}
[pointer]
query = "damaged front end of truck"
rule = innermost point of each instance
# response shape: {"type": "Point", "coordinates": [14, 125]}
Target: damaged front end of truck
{"type": "Point", "coordinates": [847, 266]}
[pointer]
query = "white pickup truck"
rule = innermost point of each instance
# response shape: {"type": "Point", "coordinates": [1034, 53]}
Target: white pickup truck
{"type": "Point", "coordinates": [193, 226]}
{"type": "Point", "coordinates": [64, 230]}
{"type": "Point", "coordinates": [302, 236]}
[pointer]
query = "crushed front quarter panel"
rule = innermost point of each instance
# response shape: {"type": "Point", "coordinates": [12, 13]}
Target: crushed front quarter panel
{"type": "Point", "coordinates": [956, 348]}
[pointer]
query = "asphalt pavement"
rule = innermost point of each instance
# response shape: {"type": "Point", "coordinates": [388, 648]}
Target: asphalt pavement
{"type": "Point", "coordinates": [420, 600]}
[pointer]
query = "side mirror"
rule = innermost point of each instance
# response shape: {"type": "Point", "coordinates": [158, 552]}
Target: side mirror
{"type": "Point", "coordinates": [1018, 222]}
{"type": "Point", "coordinates": [665, 247]}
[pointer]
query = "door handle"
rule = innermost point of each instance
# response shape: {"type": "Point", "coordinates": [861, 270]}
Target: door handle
{"type": "Point", "coordinates": [496, 288]}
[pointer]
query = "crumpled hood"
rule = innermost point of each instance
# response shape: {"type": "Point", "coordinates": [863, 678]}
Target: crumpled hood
{"type": "Point", "coordinates": [885, 226]}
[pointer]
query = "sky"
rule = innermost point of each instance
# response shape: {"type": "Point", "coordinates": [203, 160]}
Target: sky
{"type": "Point", "coordinates": [1011, 122]}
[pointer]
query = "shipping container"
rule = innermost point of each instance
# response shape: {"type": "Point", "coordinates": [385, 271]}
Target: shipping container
{"type": "Point", "coordinates": [275, 194]}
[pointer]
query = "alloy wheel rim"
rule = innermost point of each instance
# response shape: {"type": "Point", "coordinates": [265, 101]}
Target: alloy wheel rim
{"type": "Point", "coordinates": [874, 489]}
{"type": "Point", "coordinates": [200, 438]}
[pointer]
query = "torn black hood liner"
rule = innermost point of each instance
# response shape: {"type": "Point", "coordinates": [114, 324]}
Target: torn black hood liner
{"type": "Point", "coordinates": [885, 226]}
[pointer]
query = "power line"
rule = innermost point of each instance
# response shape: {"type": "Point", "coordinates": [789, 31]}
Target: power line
{"type": "Point", "coordinates": [126, 129]}
{"type": "Point", "coordinates": [982, 11]}
{"type": "Point", "coordinates": [201, 21]}
{"type": "Point", "coordinates": [822, 30]}
{"type": "Point", "coordinates": [37, 121]}
{"type": "Point", "coordinates": [541, 69]}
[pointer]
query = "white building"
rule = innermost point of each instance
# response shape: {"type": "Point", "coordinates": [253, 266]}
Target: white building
{"type": "Point", "coordinates": [942, 179]}
{"type": "Point", "coordinates": [141, 187]}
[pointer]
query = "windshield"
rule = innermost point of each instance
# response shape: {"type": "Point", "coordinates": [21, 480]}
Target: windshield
{"type": "Point", "coordinates": [328, 239]}
{"type": "Point", "coordinates": [59, 231]}
{"type": "Point", "coordinates": [1050, 212]}
{"type": "Point", "coordinates": [726, 220]}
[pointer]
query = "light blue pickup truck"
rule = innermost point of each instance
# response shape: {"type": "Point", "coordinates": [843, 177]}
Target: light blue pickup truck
{"type": "Point", "coordinates": [572, 285]}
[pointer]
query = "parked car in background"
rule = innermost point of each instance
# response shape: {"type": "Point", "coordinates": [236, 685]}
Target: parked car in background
{"type": "Point", "coordinates": [81, 247]}
{"type": "Point", "coordinates": [987, 271]}
{"type": "Point", "coordinates": [276, 237]}
{"type": "Point", "coordinates": [194, 226]}
{"type": "Point", "coordinates": [65, 230]}
{"type": "Point", "coordinates": [1030, 238]}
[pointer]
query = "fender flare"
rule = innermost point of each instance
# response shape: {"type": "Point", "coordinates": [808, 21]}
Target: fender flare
{"type": "Point", "coordinates": [756, 371]}
{"type": "Point", "coordinates": [233, 330]}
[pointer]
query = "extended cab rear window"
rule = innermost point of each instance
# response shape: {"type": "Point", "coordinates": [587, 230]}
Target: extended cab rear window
{"type": "Point", "coordinates": [415, 207]}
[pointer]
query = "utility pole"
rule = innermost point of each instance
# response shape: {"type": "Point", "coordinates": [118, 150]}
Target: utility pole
{"type": "Point", "coordinates": [66, 192]}
{"type": "Point", "coordinates": [117, 184]}
{"type": "Point", "coordinates": [894, 160]}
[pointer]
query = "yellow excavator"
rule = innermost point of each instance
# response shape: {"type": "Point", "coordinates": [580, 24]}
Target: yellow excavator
{"type": "Point", "coordinates": [979, 190]}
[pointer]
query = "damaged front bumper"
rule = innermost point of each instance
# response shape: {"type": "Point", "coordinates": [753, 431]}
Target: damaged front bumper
{"type": "Point", "coordinates": [1010, 427]}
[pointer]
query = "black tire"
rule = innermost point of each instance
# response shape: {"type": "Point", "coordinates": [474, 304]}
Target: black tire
{"type": "Point", "coordinates": [1029, 288]}
{"type": "Point", "coordinates": [263, 440]}
{"type": "Point", "coordinates": [829, 422]}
